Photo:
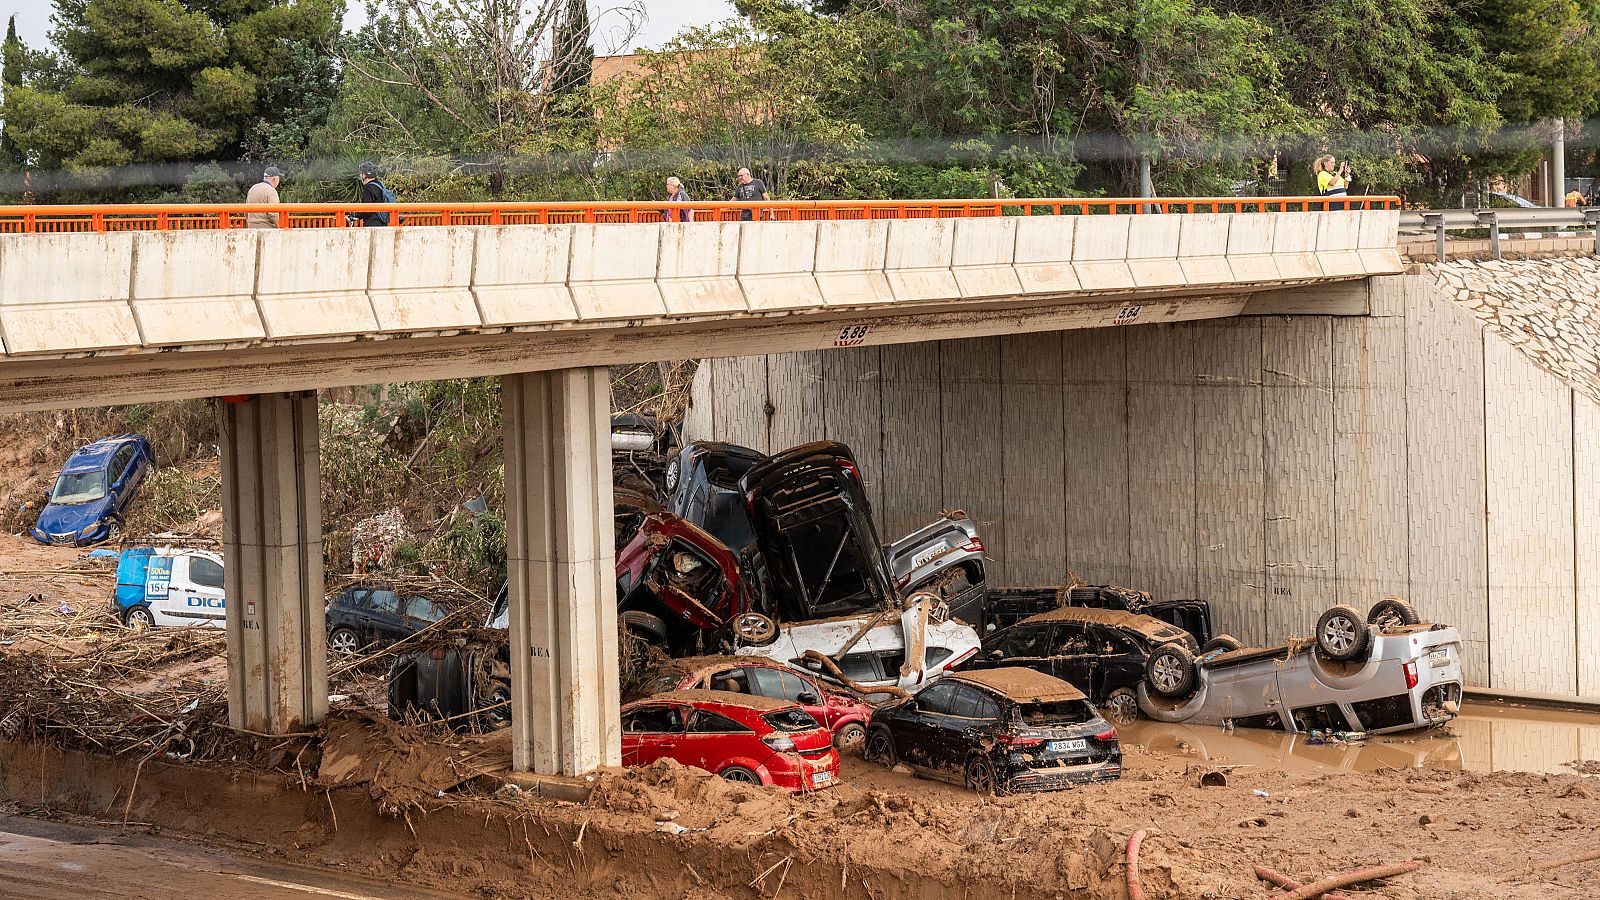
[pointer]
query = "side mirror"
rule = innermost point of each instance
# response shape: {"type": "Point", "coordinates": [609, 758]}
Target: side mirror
{"type": "Point", "coordinates": [806, 698]}
{"type": "Point", "coordinates": [996, 655]}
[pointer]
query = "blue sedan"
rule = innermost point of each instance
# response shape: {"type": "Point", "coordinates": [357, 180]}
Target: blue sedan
{"type": "Point", "coordinates": [94, 490]}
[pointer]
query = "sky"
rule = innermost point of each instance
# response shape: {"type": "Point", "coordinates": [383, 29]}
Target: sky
{"type": "Point", "coordinates": [666, 18]}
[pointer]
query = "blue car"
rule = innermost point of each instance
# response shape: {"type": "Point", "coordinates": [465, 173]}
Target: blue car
{"type": "Point", "coordinates": [94, 490]}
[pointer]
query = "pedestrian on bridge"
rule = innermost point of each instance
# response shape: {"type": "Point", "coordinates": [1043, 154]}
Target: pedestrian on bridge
{"type": "Point", "coordinates": [676, 194]}
{"type": "Point", "coordinates": [264, 191]}
{"type": "Point", "coordinates": [372, 191]}
{"type": "Point", "coordinates": [1332, 181]}
{"type": "Point", "coordinates": [750, 190]}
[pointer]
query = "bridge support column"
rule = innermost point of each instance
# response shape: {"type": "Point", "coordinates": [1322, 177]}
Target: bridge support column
{"type": "Point", "coordinates": [272, 544]}
{"type": "Point", "coordinates": [560, 567]}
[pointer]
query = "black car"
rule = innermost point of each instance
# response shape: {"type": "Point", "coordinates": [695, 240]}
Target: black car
{"type": "Point", "coordinates": [1007, 606]}
{"type": "Point", "coordinates": [812, 521]}
{"type": "Point", "coordinates": [465, 679]}
{"type": "Point", "coordinates": [1102, 652]}
{"type": "Point", "coordinates": [703, 488]}
{"type": "Point", "coordinates": [368, 615]}
{"type": "Point", "coordinates": [1001, 732]}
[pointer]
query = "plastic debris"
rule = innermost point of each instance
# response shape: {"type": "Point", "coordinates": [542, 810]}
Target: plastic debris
{"type": "Point", "coordinates": [1260, 793]}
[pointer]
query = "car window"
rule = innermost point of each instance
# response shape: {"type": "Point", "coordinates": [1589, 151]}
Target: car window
{"type": "Point", "coordinates": [937, 655]}
{"type": "Point", "coordinates": [735, 680]}
{"type": "Point", "coordinates": [205, 572]}
{"type": "Point", "coordinates": [703, 721]}
{"type": "Point", "coordinates": [860, 667]}
{"type": "Point", "coordinates": [1025, 641]}
{"type": "Point", "coordinates": [424, 609]}
{"type": "Point", "coordinates": [1114, 641]}
{"type": "Point", "coordinates": [766, 682]}
{"type": "Point", "coordinates": [794, 686]}
{"type": "Point", "coordinates": [1062, 712]}
{"type": "Point", "coordinates": [662, 684]}
{"type": "Point", "coordinates": [1072, 639]}
{"type": "Point", "coordinates": [384, 601]}
{"type": "Point", "coordinates": [653, 720]}
{"type": "Point", "coordinates": [937, 697]}
{"type": "Point", "coordinates": [971, 703]}
{"type": "Point", "coordinates": [792, 719]}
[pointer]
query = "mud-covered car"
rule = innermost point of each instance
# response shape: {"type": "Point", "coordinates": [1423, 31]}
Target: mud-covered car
{"type": "Point", "coordinates": [1102, 652]}
{"type": "Point", "coordinates": [1384, 672]}
{"type": "Point", "coordinates": [377, 614]}
{"type": "Point", "coordinates": [93, 491]}
{"type": "Point", "coordinates": [843, 713]}
{"type": "Point", "coordinates": [1007, 606]}
{"type": "Point", "coordinates": [1000, 731]}
{"type": "Point", "coordinates": [682, 589]}
{"type": "Point", "coordinates": [945, 557]}
{"type": "Point", "coordinates": [741, 737]}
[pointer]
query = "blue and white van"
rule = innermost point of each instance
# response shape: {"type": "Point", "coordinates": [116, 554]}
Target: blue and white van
{"type": "Point", "coordinates": [170, 586]}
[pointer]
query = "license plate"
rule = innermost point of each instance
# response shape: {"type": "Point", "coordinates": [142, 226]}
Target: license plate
{"type": "Point", "coordinates": [1069, 746]}
{"type": "Point", "coordinates": [821, 777]}
{"type": "Point", "coordinates": [1438, 657]}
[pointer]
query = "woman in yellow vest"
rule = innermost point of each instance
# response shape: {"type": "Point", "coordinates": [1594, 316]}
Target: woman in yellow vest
{"type": "Point", "coordinates": [1332, 181]}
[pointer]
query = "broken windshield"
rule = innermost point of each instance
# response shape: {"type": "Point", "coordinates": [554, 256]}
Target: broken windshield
{"type": "Point", "coordinates": [1065, 712]}
{"type": "Point", "coordinates": [79, 487]}
{"type": "Point", "coordinates": [790, 720]}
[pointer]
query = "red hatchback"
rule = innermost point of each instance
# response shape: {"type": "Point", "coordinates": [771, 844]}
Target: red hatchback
{"type": "Point", "coordinates": [741, 737]}
{"type": "Point", "coordinates": [845, 714]}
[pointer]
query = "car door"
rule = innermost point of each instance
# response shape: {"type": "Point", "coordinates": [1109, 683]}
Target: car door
{"type": "Point", "coordinates": [919, 729]}
{"type": "Point", "coordinates": [651, 732]}
{"type": "Point", "coordinates": [1120, 664]}
{"type": "Point", "coordinates": [380, 619]}
{"type": "Point", "coordinates": [1072, 655]}
{"type": "Point", "coordinates": [710, 739]}
{"type": "Point", "coordinates": [973, 715]}
{"type": "Point", "coordinates": [1019, 645]}
{"type": "Point", "coordinates": [117, 476]}
{"type": "Point", "coordinates": [202, 589]}
{"type": "Point", "coordinates": [418, 612]}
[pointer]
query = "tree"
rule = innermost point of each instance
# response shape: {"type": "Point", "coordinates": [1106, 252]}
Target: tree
{"type": "Point", "coordinates": [11, 77]}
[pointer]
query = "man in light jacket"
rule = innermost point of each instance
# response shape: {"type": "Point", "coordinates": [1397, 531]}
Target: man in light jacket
{"type": "Point", "coordinates": [264, 191]}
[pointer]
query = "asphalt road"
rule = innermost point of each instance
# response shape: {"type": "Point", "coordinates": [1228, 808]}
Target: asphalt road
{"type": "Point", "coordinates": [52, 861]}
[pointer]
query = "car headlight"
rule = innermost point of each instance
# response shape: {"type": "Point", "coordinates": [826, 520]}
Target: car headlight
{"type": "Point", "coordinates": [684, 563]}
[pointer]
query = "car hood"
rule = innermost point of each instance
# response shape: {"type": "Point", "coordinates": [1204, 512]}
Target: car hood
{"type": "Point", "coordinates": [72, 518]}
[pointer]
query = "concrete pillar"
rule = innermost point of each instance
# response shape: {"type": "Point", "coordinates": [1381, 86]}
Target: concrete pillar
{"type": "Point", "coordinates": [1558, 162]}
{"type": "Point", "coordinates": [272, 545]}
{"type": "Point", "coordinates": [561, 569]}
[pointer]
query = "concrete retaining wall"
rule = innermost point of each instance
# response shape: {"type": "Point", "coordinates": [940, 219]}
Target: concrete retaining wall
{"type": "Point", "coordinates": [1274, 464]}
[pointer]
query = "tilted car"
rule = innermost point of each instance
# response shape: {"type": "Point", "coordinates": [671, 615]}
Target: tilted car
{"type": "Point", "coordinates": [741, 737]}
{"type": "Point", "coordinates": [1102, 652]}
{"type": "Point", "coordinates": [1000, 731]}
{"type": "Point", "coordinates": [93, 491]}
{"type": "Point", "coordinates": [374, 615]}
{"type": "Point", "coordinates": [844, 714]}
{"type": "Point", "coordinates": [945, 557]}
{"type": "Point", "coordinates": [1008, 606]}
{"type": "Point", "coordinates": [1385, 672]}
{"type": "Point", "coordinates": [682, 589]}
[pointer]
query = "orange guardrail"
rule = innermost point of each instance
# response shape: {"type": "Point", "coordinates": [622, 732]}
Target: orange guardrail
{"type": "Point", "coordinates": [203, 217]}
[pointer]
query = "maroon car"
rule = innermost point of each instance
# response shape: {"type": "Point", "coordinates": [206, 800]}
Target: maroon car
{"type": "Point", "coordinates": [843, 714]}
{"type": "Point", "coordinates": [681, 588]}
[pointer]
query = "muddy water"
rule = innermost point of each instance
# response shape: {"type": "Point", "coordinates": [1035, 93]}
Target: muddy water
{"type": "Point", "coordinates": [1485, 737]}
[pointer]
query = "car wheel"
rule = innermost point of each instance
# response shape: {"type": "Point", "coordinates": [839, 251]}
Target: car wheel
{"type": "Point", "coordinates": [740, 774]}
{"type": "Point", "coordinates": [849, 736]}
{"type": "Point", "coordinates": [979, 776]}
{"type": "Point", "coordinates": [880, 747]}
{"type": "Point", "coordinates": [344, 641]}
{"type": "Point", "coordinates": [1342, 634]}
{"type": "Point", "coordinates": [1122, 706]}
{"type": "Point", "coordinates": [1392, 612]}
{"type": "Point", "coordinates": [755, 629]}
{"type": "Point", "coordinates": [1170, 671]}
{"type": "Point", "coordinates": [138, 618]}
{"type": "Point", "coordinates": [1225, 643]}
{"type": "Point", "coordinates": [647, 628]}
{"type": "Point", "coordinates": [670, 477]}
{"type": "Point", "coordinates": [497, 714]}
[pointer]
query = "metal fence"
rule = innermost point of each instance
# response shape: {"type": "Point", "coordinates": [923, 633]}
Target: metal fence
{"type": "Point", "coordinates": [1442, 221]}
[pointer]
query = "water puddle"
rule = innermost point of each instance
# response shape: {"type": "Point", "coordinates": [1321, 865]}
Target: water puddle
{"type": "Point", "coordinates": [1485, 737]}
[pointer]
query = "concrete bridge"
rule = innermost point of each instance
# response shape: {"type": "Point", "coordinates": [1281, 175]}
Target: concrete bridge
{"type": "Point", "coordinates": [142, 304]}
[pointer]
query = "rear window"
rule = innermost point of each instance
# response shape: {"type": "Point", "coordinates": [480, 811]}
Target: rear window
{"type": "Point", "coordinates": [1065, 712]}
{"type": "Point", "coordinates": [790, 720]}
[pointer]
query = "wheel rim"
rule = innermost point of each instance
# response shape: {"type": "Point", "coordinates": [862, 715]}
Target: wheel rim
{"type": "Point", "coordinates": [343, 642]}
{"type": "Point", "coordinates": [879, 749]}
{"type": "Point", "coordinates": [755, 628]}
{"type": "Point", "coordinates": [851, 735]}
{"type": "Point", "coordinates": [743, 776]}
{"type": "Point", "coordinates": [1339, 634]}
{"type": "Point", "coordinates": [139, 620]}
{"type": "Point", "coordinates": [1168, 673]}
{"type": "Point", "coordinates": [980, 776]}
{"type": "Point", "coordinates": [1124, 707]}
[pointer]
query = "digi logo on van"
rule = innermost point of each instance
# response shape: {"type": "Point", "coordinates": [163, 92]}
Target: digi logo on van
{"type": "Point", "coordinates": [207, 602]}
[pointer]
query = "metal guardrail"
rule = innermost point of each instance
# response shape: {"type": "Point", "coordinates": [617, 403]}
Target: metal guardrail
{"type": "Point", "coordinates": [1441, 221]}
{"type": "Point", "coordinates": [206, 217]}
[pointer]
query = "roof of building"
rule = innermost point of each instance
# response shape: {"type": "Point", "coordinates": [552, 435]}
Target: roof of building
{"type": "Point", "coordinates": [1021, 684]}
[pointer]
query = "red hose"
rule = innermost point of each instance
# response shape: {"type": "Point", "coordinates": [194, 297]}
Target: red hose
{"type": "Point", "coordinates": [1371, 873]}
{"type": "Point", "coordinates": [1287, 883]}
{"type": "Point", "coordinates": [1135, 892]}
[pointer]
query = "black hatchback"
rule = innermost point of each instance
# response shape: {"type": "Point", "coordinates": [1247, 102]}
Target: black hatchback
{"type": "Point", "coordinates": [1000, 732]}
{"type": "Point", "coordinates": [369, 615]}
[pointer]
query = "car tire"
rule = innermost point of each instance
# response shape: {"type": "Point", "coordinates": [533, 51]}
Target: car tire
{"type": "Point", "coordinates": [979, 776]}
{"type": "Point", "coordinates": [880, 748]}
{"type": "Point", "coordinates": [1226, 643]}
{"type": "Point", "coordinates": [1170, 671]}
{"type": "Point", "coordinates": [754, 630]}
{"type": "Point", "coordinates": [1122, 706]}
{"type": "Point", "coordinates": [1392, 612]}
{"type": "Point", "coordinates": [1342, 634]}
{"type": "Point", "coordinates": [740, 775]}
{"type": "Point", "coordinates": [138, 618]}
{"type": "Point", "coordinates": [496, 716]}
{"type": "Point", "coordinates": [344, 641]}
{"type": "Point", "coordinates": [849, 736]}
{"type": "Point", "coordinates": [645, 627]}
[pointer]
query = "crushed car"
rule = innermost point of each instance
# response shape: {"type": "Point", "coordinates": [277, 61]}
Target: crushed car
{"type": "Point", "coordinates": [843, 713]}
{"type": "Point", "coordinates": [1383, 672]}
{"type": "Point", "coordinates": [93, 491]}
{"type": "Point", "coordinates": [998, 732]}
{"type": "Point", "coordinates": [681, 589]}
{"type": "Point", "coordinates": [944, 557]}
{"type": "Point", "coordinates": [741, 737]}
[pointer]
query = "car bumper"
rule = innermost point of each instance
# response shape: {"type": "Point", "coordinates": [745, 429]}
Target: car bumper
{"type": "Point", "coordinates": [1063, 777]}
{"type": "Point", "coordinates": [802, 774]}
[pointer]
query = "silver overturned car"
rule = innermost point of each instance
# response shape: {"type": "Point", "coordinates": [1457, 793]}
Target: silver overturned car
{"type": "Point", "coordinates": [1384, 672]}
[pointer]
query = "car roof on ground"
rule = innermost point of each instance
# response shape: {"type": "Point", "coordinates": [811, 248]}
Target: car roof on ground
{"type": "Point", "coordinates": [1114, 618]}
{"type": "Point", "coordinates": [1021, 684]}
{"type": "Point", "coordinates": [725, 698]}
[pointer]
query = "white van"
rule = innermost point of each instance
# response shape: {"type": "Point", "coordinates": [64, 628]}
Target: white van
{"type": "Point", "coordinates": [170, 586]}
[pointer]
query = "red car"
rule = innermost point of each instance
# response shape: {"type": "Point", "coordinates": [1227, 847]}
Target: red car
{"type": "Point", "coordinates": [741, 737]}
{"type": "Point", "coordinates": [680, 588]}
{"type": "Point", "coordinates": [844, 714]}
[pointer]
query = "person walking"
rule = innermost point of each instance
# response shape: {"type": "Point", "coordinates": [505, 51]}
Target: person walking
{"type": "Point", "coordinates": [750, 190]}
{"type": "Point", "coordinates": [372, 191]}
{"type": "Point", "coordinates": [264, 191]}
{"type": "Point", "coordinates": [676, 194]}
{"type": "Point", "coordinates": [1332, 181]}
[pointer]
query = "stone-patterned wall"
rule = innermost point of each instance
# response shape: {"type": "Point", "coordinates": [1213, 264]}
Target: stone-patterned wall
{"type": "Point", "coordinates": [1273, 464]}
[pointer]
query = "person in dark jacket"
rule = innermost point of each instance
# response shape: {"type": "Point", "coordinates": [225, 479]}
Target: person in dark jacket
{"type": "Point", "coordinates": [372, 191]}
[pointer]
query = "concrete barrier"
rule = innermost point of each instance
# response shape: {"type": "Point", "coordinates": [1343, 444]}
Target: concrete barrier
{"type": "Point", "coordinates": [1203, 249]}
{"type": "Point", "coordinates": [422, 279]}
{"type": "Point", "coordinates": [1294, 245]}
{"type": "Point", "coordinates": [1250, 248]}
{"type": "Point", "coordinates": [1377, 245]}
{"type": "Point", "coordinates": [849, 263]}
{"type": "Point", "coordinates": [916, 260]}
{"type": "Point", "coordinates": [981, 258]}
{"type": "Point", "coordinates": [776, 265]}
{"type": "Point", "coordinates": [196, 288]}
{"type": "Point", "coordinates": [699, 268]}
{"type": "Point", "coordinates": [613, 271]}
{"type": "Point", "coordinates": [519, 275]}
{"type": "Point", "coordinates": [1043, 255]}
{"type": "Point", "coordinates": [1153, 251]}
{"type": "Point", "coordinates": [312, 282]}
{"type": "Point", "coordinates": [66, 293]}
{"type": "Point", "coordinates": [1100, 253]}
{"type": "Point", "coordinates": [1338, 243]}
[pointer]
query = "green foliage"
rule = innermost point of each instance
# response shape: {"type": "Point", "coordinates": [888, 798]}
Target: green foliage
{"type": "Point", "coordinates": [171, 500]}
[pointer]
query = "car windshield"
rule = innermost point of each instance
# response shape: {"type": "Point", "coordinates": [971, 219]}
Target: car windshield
{"type": "Point", "coordinates": [794, 719]}
{"type": "Point", "coordinates": [79, 487]}
{"type": "Point", "coordinates": [1064, 712]}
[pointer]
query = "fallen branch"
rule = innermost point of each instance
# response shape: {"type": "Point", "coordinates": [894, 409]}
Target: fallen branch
{"type": "Point", "coordinates": [862, 689]}
{"type": "Point", "coordinates": [1135, 892]}
{"type": "Point", "coordinates": [1553, 864]}
{"type": "Point", "coordinates": [1287, 883]}
{"type": "Point", "coordinates": [1371, 873]}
